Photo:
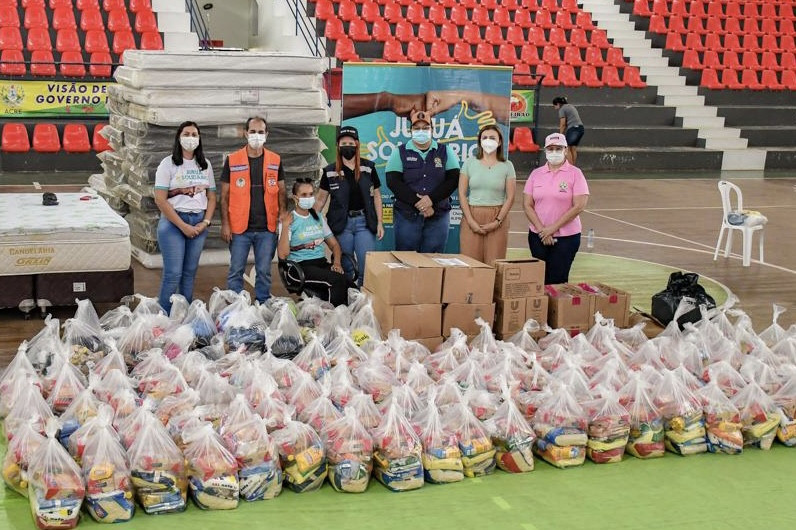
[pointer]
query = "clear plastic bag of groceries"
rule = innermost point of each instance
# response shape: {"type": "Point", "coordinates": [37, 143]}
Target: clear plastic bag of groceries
{"type": "Point", "coordinates": [342, 385]}
{"type": "Point", "coordinates": [349, 451]}
{"type": "Point", "coordinates": [84, 407]}
{"type": "Point", "coordinates": [447, 394]}
{"type": "Point", "coordinates": [106, 473]}
{"type": "Point", "coordinates": [19, 368]}
{"type": "Point", "coordinates": [485, 340]}
{"type": "Point", "coordinates": [221, 299]}
{"type": "Point", "coordinates": [201, 323]}
{"type": "Point", "coordinates": [365, 326]}
{"type": "Point", "coordinates": [76, 443]}
{"type": "Point", "coordinates": [633, 337]}
{"type": "Point", "coordinates": [176, 404]}
{"type": "Point", "coordinates": [722, 420]}
{"type": "Point", "coordinates": [260, 472]}
{"type": "Point", "coordinates": [313, 358]}
{"type": "Point", "coordinates": [456, 341]}
{"type": "Point", "coordinates": [478, 453]}
{"type": "Point", "coordinates": [512, 437]}
{"type": "Point", "coordinates": [302, 455]}
{"type": "Point", "coordinates": [611, 372]}
{"type": "Point", "coordinates": [469, 374]}
{"type": "Point", "coordinates": [558, 336]}
{"type": "Point", "coordinates": [290, 343]}
{"type": "Point", "coordinates": [334, 324]}
{"type": "Point", "coordinates": [68, 385]}
{"type": "Point", "coordinates": [774, 333]}
{"type": "Point", "coordinates": [726, 376]}
{"type": "Point", "coordinates": [84, 337]}
{"type": "Point", "coordinates": [367, 411]}
{"type": "Point", "coordinates": [147, 306]}
{"type": "Point", "coordinates": [417, 379]}
{"type": "Point", "coordinates": [482, 404]}
{"type": "Point", "coordinates": [141, 336]}
{"type": "Point", "coordinates": [244, 329]}
{"type": "Point", "coordinates": [446, 360]}
{"type": "Point", "coordinates": [375, 379]}
{"type": "Point", "coordinates": [785, 400]}
{"type": "Point", "coordinates": [320, 412]}
{"type": "Point", "coordinates": [561, 427]}
{"type": "Point", "coordinates": [55, 484]}
{"type": "Point", "coordinates": [304, 391]}
{"type": "Point", "coordinates": [178, 341]}
{"type": "Point", "coordinates": [212, 470]}
{"type": "Point", "coordinates": [760, 416]}
{"type": "Point", "coordinates": [602, 334]}
{"type": "Point", "coordinates": [343, 349]}
{"type": "Point", "coordinates": [119, 317]}
{"type": "Point", "coordinates": [404, 397]}
{"type": "Point", "coordinates": [311, 311]}
{"type": "Point", "coordinates": [157, 468]}
{"type": "Point", "coordinates": [553, 356]}
{"type": "Point", "coordinates": [158, 385]}
{"type": "Point", "coordinates": [524, 340]}
{"type": "Point", "coordinates": [45, 346]}
{"type": "Point", "coordinates": [683, 420]}
{"type": "Point", "coordinates": [761, 373]}
{"type": "Point", "coordinates": [18, 455]}
{"type": "Point", "coordinates": [261, 386]}
{"type": "Point", "coordinates": [397, 453]}
{"type": "Point", "coordinates": [179, 308]}
{"type": "Point", "coordinates": [442, 458]}
{"type": "Point", "coordinates": [609, 428]}
{"type": "Point", "coordinates": [113, 360]}
{"type": "Point", "coordinates": [29, 404]}
{"type": "Point", "coordinates": [529, 402]}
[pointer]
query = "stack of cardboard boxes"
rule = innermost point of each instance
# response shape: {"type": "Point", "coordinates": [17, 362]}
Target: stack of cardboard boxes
{"type": "Point", "coordinates": [424, 295]}
{"type": "Point", "coordinates": [519, 295]}
{"type": "Point", "coordinates": [572, 307]}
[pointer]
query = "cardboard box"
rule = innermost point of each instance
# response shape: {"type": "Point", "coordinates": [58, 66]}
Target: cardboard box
{"type": "Point", "coordinates": [431, 343]}
{"type": "Point", "coordinates": [519, 278]}
{"type": "Point", "coordinates": [610, 302]}
{"type": "Point", "coordinates": [400, 278]}
{"type": "Point", "coordinates": [511, 315]}
{"type": "Point", "coordinates": [416, 321]}
{"type": "Point", "coordinates": [463, 316]}
{"type": "Point", "coordinates": [569, 307]}
{"type": "Point", "coordinates": [464, 279]}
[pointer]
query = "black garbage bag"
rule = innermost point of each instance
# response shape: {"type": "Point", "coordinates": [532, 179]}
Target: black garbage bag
{"type": "Point", "coordinates": [681, 284]}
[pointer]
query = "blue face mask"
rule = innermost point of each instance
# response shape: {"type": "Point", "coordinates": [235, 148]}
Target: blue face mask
{"type": "Point", "coordinates": [421, 136]}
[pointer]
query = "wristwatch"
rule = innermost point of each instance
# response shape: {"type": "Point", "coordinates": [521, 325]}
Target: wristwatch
{"type": "Point", "coordinates": [207, 222]}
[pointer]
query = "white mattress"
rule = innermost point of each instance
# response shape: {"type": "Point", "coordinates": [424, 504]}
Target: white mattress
{"type": "Point", "coordinates": [73, 236]}
{"type": "Point", "coordinates": [224, 60]}
{"type": "Point", "coordinates": [173, 116]}
{"type": "Point", "coordinates": [215, 79]}
{"type": "Point", "coordinates": [219, 96]}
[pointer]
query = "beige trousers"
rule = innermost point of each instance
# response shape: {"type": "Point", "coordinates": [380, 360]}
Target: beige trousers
{"type": "Point", "coordinates": [484, 248]}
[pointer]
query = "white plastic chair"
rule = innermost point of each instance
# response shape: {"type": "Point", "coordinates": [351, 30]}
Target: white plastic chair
{"type": "Point", "coordinates": [751, 224]}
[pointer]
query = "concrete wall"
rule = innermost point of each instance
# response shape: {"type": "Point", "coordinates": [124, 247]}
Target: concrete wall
{"type": "Point", "coordinates": [230, 21]}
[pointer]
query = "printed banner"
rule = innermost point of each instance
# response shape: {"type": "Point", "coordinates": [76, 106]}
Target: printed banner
{"type": "Point", "coordinates": [522, 106]}
{"type": "Point", "coordinates": [45, 99]}
{"type": "Point", "coordinates": [461, 99]}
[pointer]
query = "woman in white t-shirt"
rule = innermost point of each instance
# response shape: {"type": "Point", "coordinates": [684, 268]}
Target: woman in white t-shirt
{"type": "Point", "coordinates": [185, 192]}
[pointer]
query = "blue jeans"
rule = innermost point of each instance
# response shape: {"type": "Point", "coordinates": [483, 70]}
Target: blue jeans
{"type": "Point", "coordinates": [357, 240]}
{"type": "Point", "coordinates": [415, 232]}
{"type": "Point", "coordinates": [180, 257]}
{"type": "Point", "coordinates": [264, 244]}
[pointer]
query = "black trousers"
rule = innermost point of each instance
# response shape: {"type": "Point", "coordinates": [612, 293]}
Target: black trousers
{"type": "Point", "coordinates": [323, 281]}
{"type": "Point", "coordinates": [558, 257]}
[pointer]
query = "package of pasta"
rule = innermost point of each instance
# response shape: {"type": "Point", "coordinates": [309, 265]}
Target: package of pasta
{"type": "Point", "coordinates": [69, 384]}
{"type": "Point", "coordinates": [212, 470]}
{"type": "Point", "coordinates": [55, 484]}
{"type": "Point", "coordinates": [561, 425]}
{"type": "Point", "coordinates": [759, 416]}
{"type": "Point", "coordinates": [349, 451]}
{"type": "Point", "coordinates": [785, 399]}
{"type": "Point", "coordinates": [313, 358]}
{"type": "Point", "coordinates": [29, 404]}
{"type": "Point", "coordinates": [397, 453]}
{"type": "Point", "coordinates": [302, 455]}
{"type": "Point", "coordinates": [157, 468]}
{"type": "Point", "coordinates": [609, 429]}
{"type": "Point", "coordinates": [442, 458]}
{"type": "Point", "coordinates": [290, 342]}
{"type": "Point", "coordinates": [478, 453]}
{"type": "Point", "coordinates": [375, 379]}
{"type": "Point", "coordinates": [683, 420]}
{"type": "Point", "coordinates": [16, 461]}
{"type": "Point", "coordinates": [106, 473]}
{"type": "Point", "coordinates": [512, 437]}
{"type": "Point", "coordinates": [367, 411]}
{"type": "Point", "coordinates": [722, 420]}
{"type": "Point", "coordinates": [259, 470]}
{"type": "Point", "coordinates": [84, 407]}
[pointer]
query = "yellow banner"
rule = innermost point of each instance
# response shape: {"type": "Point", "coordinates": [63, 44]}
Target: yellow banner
{"type": "Point", "coordinates": [52, 99]}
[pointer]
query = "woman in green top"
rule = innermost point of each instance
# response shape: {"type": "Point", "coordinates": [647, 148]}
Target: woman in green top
{"type": "Point", "coordinates": [304, 232]}
{"type": "Point", "coordinates": [486, 193]}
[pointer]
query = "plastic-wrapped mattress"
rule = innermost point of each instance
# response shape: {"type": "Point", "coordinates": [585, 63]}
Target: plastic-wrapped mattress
{"type": "Point", "coordinates": [220, 97]}
{"type": "Point", "coordinates": [250, 61]}
{"type": "Point", "coordinates": [173, 116]}
{"type": "Point", "coordinates": [206, 79]}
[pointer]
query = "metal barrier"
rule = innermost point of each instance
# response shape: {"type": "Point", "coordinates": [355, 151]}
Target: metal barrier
{"type": "Point", "coordinates": [305, 27]}
{"type": "Point", "coordinates": [198, 25]}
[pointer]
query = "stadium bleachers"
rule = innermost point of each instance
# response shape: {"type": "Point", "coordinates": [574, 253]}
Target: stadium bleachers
{"type": "Point", "coordinates": [52, 137]}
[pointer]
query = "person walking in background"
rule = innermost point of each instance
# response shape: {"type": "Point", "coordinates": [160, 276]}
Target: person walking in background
{"type": "Point", "coordinates": [304, 231]}
{"type": "Point", "coordinates": [351, 185]}
{"type": "Point", "coordinates": [185, 194]}
{"type": "Point", "coordinates": [570, 125]}
{"type": "Point", "coordinates": [555, 194]}
{"type": "Point", "coordinates": [486, 194]}
{"type": "Point", "coordinates": [422, 174]}
{"type": "Point", "coordinates": [252, 199]}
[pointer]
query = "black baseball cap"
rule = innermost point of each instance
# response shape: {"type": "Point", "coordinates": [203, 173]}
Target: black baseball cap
{"type": "Point", "coordinates": [348, 130]}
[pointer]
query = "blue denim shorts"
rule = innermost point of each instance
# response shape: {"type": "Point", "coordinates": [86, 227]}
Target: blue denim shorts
{"type": "Point", "coordinates": [574, 134]}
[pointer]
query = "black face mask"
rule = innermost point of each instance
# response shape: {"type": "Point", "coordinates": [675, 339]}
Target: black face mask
{"type": "Point", "coordinates": [348, 151]}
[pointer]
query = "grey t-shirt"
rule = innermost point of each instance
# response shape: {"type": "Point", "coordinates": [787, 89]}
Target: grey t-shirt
{"type": "Point", "coordinates": [571, 114]}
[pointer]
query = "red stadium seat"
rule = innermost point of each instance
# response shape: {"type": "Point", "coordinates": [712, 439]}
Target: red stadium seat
{"type": "Point", "coordinates": [632, 77]}
{"type": "Point", "coordinates": [789, 79]}
{"type": "Point", "coordinates": [42, 63]}
{"type": "Point", "coordinates": [713, 25]}
{"type": "Point", "coordinates": [769, 26]}
{"type": "Point", "coordinates": [440, 53]}
{"type": "Point", "coordinates": [110, 5]}
{"type": "Point", "coordinates": [33, 3]}
{"type": "Point", "coordinates": [572, 56]}
{"type": "Point", "coordinates": [494, 35]}
{"type": "Point", "coordinates": [611, 78]}
{"type": "Point", "coordinates": [732, 10]}
{"type": "Point", "coordinates": [404, 31]}
{"type": "Point", "coordinates": [91, 21]}
{"type": "Point", "coordinates": [463, 53]}
{"type": "Point", "coordinates": [334, 29]}
{"type": "Point", "coordinates": [787, 61]}
{"type": "Point", "coordinates": [416, 52]}
{"type": "Point", "coordinates": [729, 78]}
{"type": "Point", "coordinates": [501, 17]}
{"type": "Point", "coordinates": [76, 138]}
{"type": "Point", "coordinates": [523, 140]}
{"type": "Point", "coordinates": [594, 56]}
{"type": "Point", "coordinates": [485, 53]}
{"type": "Point", "coordinates": [38, 39]}
{"type": "Point", "coordinates": [678, 7]}
{"type": "Point", "coordinates": [536, 36]}
{"type": "Point", "coordinates": [393, 51]}
{"type": "Point", "coordinates": [567, 77]}
{"type": "Point", "coordinates": [10, 39]}
{"type": "Point", "coordinates": [123, 40]}
{"type": "Point", "coordinates": [785, 11]}
{"type": "Point", "coordinates": [346, 10]}
{"type": "Point", "coordinates": [358, 30]}
{"type": "Point", "coordinates": [145, 21]}
{"type": "Point", "coordinates": [54, 4]}
{"type": "Point", "coordinates": [459, 15]}
{"type": "Point", "coordinates": [715, 9]}
{"type": "Point", "coordinates": [577, 37]}
{"type": "Point", "coordinates": [691, 60]}
{"type": "Point", "coordinates": [136, 6]}
{"type": "Point", "coordinates": [543, 19]}
{"type": "Point", "coordinates": [515, 36]}
{"type": "Point", "coordinates": [529, 54]}
{"type": "Point", "coordinates": [564, 20]}
{"type": "Point", "coordinates": [345, 51]}
{"type": "Point", "coordinates": [752, 43]}
{"type": "Point", "coordinates": [98, 142]}
{"type": "Point", "coordinates": [710, 59]}
{"type": "Point", "coordinates": [72, 64]}
{"type": "Point", "coordinates": [751, 26]}
{"type": "Point", "coordinates": [96, 41]}
{"type": "Point", "coordinates": [614, 56]}
{"type": "Point", "coordinates": [381, 31]}
{"type": "Point", "coordinates": [599, 38]}
{"type": "Point", "coordinates": [697, 9]}
{"type": "Point", "coordinates": [695, 25]}
{"type": "Point", "coordinates": [427, 32]}
{"type": "Point", "coordinates": [710, 79]}
{"type": "Point", "coordinates": [769, 61]}
{"type": "Point", "coordinates": [15, 138]}
{"type": "Point", "coordinates": [731, 42]}
{"type": "Point", "coordinates": [769, 80]}
{"type": "Point", "coordinates": [36, 17]}
{"type": "Point", "coordinates": [8, 18]}
{"type": "Point", "coordinates": [12, 62]}
{"type": "Point", "coordinates": [472, 34]}
{"type": "Point", "coordinates": [769, 43]}
{"type": "Point", "coordinates": [67, 40]}
{"type": "Point", "coordinates": [786, 27]}
{"type": "Point", "coordinates": [676, 24]}
{"type": "Point", "coordinates": [151, 40]}
{"type": "Point", "coordinates": [642, 8]}
{"type": "Point", "coordinates": [547, 71]}
{"type": "Point", "coordinates": [100, 64]}
{"type": "Point", "coordinates": [550, 5]}
{"type": "Point", "coordinates": [552, 56]}
{"type": "Point", "coordinates": [523, 19]}
{"type": "Point", "coordinates": [64, 18]}
{"type": "Point", "coordinates": [730, 60]}
{"type": "Point", "coordinates": [750, 61]}
{"type": "Point", "coordinates": [657, 24]}
{"type": "Point", "coordinates": [370, 11]}
{"type": "Point", "coordinates": [583, 20]}
{"type": "Point", "coordinates": [693, 41]}
{"type": "Point", "coordinates": [558, 37]}
{"type": "Point", "coordinates": [324, 9]}
{"type": "Point", "coordinates": [733, 25]}
{"type": "Point", "coordinates": [480, 16]}
{"type": "Point", "coordinates": [118, 20]}
{"type": "Point", "coordinates": [83, 5]}
{"type": "Point", "coordinates": [45, 138]}
{"type": "Point", "coordinates": [392, 13]}
{"type": "Point", "coordinates": [749, 79]}
{"type": "Point", "coordinates": [437, 14]}
{"type": "Point", "coordinates": [449, 33]}
{"type": "Point", "coordinates": [674, 41]}
{"type": "Point", "coordinates": [415, 14]}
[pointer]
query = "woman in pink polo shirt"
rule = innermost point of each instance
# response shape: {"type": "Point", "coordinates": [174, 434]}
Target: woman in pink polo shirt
{"type": "Point", "coordinates": [555, 194]}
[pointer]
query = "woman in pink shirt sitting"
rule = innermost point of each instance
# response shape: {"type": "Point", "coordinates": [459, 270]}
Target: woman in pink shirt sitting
{"type": "Point", "coordinates": [555, 194]}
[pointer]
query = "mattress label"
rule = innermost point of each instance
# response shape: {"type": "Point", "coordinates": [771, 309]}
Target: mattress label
{"type": "Point", "coordinates": [31, 256]}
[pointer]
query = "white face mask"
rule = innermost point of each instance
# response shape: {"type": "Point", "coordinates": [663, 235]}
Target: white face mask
{"type": "Point", "coordinates": [256, 140]}
{"type": "Point", "coordinates": [489, 145]}
{"type": "Point", "coordinates": [555, 157]}
{"type": "Point", "coordinates": [306, 202]}
{"type": "Point", "coordinates": [189, 143]}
